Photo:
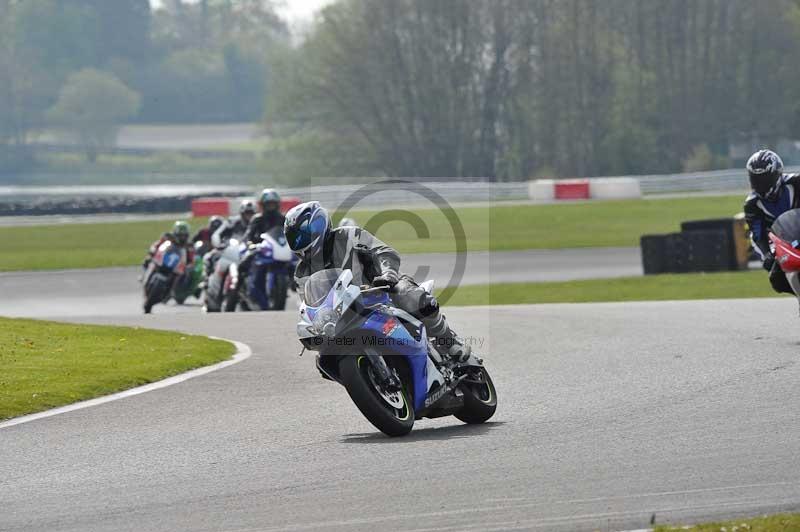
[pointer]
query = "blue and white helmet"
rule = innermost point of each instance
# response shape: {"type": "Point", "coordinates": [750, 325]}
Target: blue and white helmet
{"type": "Point", "coordinates": [306, 227]}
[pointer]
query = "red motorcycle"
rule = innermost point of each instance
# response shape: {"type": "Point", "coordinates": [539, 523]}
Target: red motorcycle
{"type": "Point", "coordinates": [785, 242]}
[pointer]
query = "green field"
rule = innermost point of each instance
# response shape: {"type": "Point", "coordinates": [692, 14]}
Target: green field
{"type": "Point", "coordinates": [503, 227]}
{"type": "Point", "coordinates": [552, 226]}
{"type": "Point", "coordinates": [46, 364]}
{"type": "Point", "coordinates": [772, 523]}
{"type": "Point", "coordinates": [647, 288]}
{"type": "Point", "coordinates": [49, 247]}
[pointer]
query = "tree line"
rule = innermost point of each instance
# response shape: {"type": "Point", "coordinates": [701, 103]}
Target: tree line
{"type": "Point", "coordinates": [89, 64]}
{"type": "Point", "coordinates": [498, 89]}
{"type": "Point", "coordinates": [509, 89]}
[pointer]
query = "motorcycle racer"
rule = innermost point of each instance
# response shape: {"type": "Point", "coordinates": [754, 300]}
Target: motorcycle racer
{"type": "Point", "coordinates": [233, 227]}
{"type": "Point", "coordinates": [319, 247]}
{"type": "Point", "coordinates": [179, 235]}
{"type": "Point", "coordinates": [773, 193]}
{"type": "Point", "coordinates": [270, 216]}
{"type": "Point", "coordinates": [204, 234]}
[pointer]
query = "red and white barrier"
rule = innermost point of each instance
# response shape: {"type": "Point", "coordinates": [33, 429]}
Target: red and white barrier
{"type": "Point", "coordinates": [230, 206]}
{"type": "Point", "coordinates": [210, 207]}
{"type": "Point", "coordinates": [581, 189]}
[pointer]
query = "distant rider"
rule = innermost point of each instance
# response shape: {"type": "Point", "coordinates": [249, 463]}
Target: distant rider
{"type": "Point", "coordinates": [204, 234]}
{"type": "Point", "coordinates": [269, 218]}
{"type": "Point", "coordinates": [310, 236]}
{"type": "Point", "coordinates": [773, 193]}
{"type": "Point", "coordinates": [233, 227]}
{"type": "Point", "coordinates": [178, 236]}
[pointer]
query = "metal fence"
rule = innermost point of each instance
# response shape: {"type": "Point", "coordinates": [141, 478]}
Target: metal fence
{"type": "Point", "coordinates": [333, 195]}
{"type": "Point", "coordinates": [718, 181]}
{"type": "Point", "coordinates": [734, 180]}
{"type": "Point", "coordinates": [452, 192]}
{"type": "Point", "coordinates": [722, 181]}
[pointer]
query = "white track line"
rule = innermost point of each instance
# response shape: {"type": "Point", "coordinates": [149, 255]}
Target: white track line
{"type": "Point", "coordinates": [243, 352]}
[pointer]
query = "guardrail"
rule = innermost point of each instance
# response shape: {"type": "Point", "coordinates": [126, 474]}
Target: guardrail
{"type": "Point", "coordinates": [733, 180]}
{"type": "Point", "coordinates": [333, 195]}
{"type": "Point", "coordinates": [458, 192]}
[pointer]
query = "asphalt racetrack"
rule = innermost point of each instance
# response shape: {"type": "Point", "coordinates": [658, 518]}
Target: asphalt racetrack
{"type": "Point", "coordinates": [609, 413]}
{"type": "Point", "coordinates": [116, 291]}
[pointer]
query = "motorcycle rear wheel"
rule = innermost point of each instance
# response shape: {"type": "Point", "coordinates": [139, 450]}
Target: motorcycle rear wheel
{"type": "Point", "coordinates": [360, 385]}
{"type": "Point", "coordinates": [480, 400]}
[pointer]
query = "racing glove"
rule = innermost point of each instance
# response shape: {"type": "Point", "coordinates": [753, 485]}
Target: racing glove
{"type": "Point", "coordinates": [389, 278]}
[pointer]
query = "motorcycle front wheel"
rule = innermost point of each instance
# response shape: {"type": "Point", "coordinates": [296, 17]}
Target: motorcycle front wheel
{"type": "Point", "coordinates": [154, 292]}
{"type": "Point", "coordinates": [391, 412]}
{"type": "Point", "coordinates": [231, 301]}
{"type": "Point", "coordinates": [279, 292]}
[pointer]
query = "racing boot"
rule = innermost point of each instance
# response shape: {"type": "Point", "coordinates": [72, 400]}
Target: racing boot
{"type": "Point", "coordinates": [447, 342]}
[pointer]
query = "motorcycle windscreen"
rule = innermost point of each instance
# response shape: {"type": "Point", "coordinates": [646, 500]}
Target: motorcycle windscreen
{"type": "Point", "coordinates": [787, 226]}
{"type": "Point", "coordinates": [171, 259]}
{"type": "Point", "coordinates": [277, 234]}
{"type": "Point", "coordinates": [318, 285]}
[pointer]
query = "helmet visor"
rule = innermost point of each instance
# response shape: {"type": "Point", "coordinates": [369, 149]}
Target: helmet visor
{"type": "Point", "coordinates": [305, 234]}
{"type": "Point", "coordinates": [763, 183]}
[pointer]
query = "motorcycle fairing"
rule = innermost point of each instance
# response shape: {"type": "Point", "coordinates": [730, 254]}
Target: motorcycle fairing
{"type": "Point", "coordinates": [387, 325]}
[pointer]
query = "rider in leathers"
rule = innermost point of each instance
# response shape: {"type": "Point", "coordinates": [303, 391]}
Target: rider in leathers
{"type": "Point", "coordinates": [233, 227]}
{"type": "Point", "coordinates": [263, 222]}
{"type": "Point", "coordinates": [269, 217]}
{"type": "Point", "coordinates": [372, 262]}
{"type": "Point", "coordinates": [773, 193]}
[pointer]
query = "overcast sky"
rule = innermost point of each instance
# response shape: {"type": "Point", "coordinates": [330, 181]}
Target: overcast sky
{"type": "Point", "coordinates": [294, 10]}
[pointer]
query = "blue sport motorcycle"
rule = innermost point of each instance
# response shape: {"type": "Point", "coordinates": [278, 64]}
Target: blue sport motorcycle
{"type": "Point", "coordinates": [384, 358]}
{"type": "Point", "coordinates": [266, 287]}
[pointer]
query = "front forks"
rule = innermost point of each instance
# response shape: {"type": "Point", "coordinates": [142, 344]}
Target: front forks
{"type": "Point", "coordinates": [386, 375]}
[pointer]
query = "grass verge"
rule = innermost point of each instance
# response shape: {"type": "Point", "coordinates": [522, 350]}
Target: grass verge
{"type": "Point", "coordinates": [55, 247]}
{"type": "Point", "coordinates": [47, 364]}
{"type": "Point", "coordinates": [551, 226]}
{"type": "Point", "coordinates": [772, 523]}
{"type": "Point", "coordinates": [647, 288]}
{"type": "Point", "coordinates": [594, 224]}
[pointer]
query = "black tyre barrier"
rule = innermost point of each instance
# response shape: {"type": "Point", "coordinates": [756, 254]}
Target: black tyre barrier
{"type": "Point", "coordinates": [104, 205]}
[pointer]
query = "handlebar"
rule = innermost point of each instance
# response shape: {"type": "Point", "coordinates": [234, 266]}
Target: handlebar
{"type": "Point", "coordinates": [368, 289]}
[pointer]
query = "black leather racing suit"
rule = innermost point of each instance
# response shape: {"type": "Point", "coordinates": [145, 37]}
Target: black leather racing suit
{"type": "Point", "coordinates": [760, 213]}
{"type": "Point", "coordinates": [262, 223]}
{"type": "Point", "coordinates": [367, 257]}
